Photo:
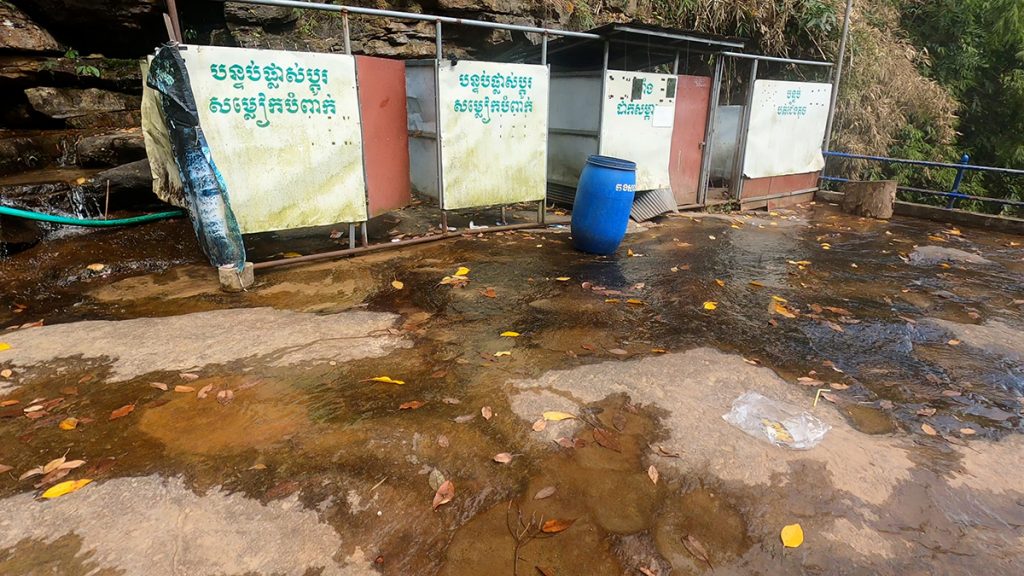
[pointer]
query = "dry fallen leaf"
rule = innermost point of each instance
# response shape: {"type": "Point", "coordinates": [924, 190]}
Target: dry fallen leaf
{"type": "Point", "coordinates": [188, 376]}
{"type": "Point", "coordinates": [490, 293]}
{"type": "Point", "coordinates": [462, 271]}
{"type": "Point", "coordinates": [545, 492]}
{"type": "Point", "coordinates": [710, 305]}
{"type": "Point", "coordinates": [556, 416]}
{"type": "Point", "coordinates": [563, 278]}
{"type": "Point", "coordinates": [720, 282]}
{"type": "Point", "coordinates": [63, 488]}
{"type": "Point", "coordinates": [411, 405]}
{"type": "Point", "coordinates": [5, 468]}
{"type": "Point", "coordinates": [443, 441]}
{"type": "Point", "coordinates": [184, 389]}
{"type": "Point", "coordinates": [697, 550]}
{"type": "Point", "coordinates": [502, 353]}
{"type": "Point", "coordinates": [503, 458]}
{"type": "Point", "coordinates": [122, 411]}
{"type": "Point", "coordinates": [397, 284]}
{"type": "Point", "coordinates": [927, 429]}
{"type": "Point", "coordinates": [554, 526]}
{"type": "Point", "coordinates": [635, 302]}
{"type": "Point", "coordinates": [617, 351]}
{"type": "Point", "coordinates": [968, 431]}
{"type": "Point", "coordinates": [6, 373]}
{"type": "Point", "coordinates": [4, 346]}
{"type": "Point", "coordinates": [225, 396]}
{"type": "Point", "coordinates": [31, 472]}
{"type": "Point", "coordinates": [54, 464]}
{"type": "Point", "coordinates": [465, 418]}
{"type": "Point", "coordinates": [444, 493]}
{"type": "Point", "coordinates": [159, 386]}
{"type": "Point", "coordinates": [667, 453]}
{"type": "Point", "coordinates": [926, 411]}
{"type": "Point", "coordinates": [385, 380]}
{"type": "Point", "coordinates": [540, 425]}
{"type": "Point", "coordinates": [510, 334]}
{"type": "Point", "coordinates": [68, 424]}
{"type": "Point", "coordinates": [7, 403]}
{"type": "Point", "coordinates": [204, 391]}
{"type": "Point", "coordinates": [486, 412]}
{"type": "Point", "coordinates": [782, 310]}
{"type": "Point", "coordinates": [953, 342]}
{"type": "Point", "coordinates": [97, 267]}
{"type": "Point", "coordinates": [652, 473]}
{"type": "Point", "coordinates": [792, 536]}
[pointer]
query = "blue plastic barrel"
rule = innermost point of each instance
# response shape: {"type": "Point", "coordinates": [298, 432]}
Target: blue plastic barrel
{"type": "Point", "coordinates": [604, 198]}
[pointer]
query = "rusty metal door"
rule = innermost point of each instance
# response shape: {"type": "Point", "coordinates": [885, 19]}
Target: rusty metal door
{"type": "Point", "coordinates": [693, 96]}
{"type": "Point", "coordinates": [385, 133]}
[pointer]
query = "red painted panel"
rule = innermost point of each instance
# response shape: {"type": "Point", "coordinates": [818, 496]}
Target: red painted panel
{"type": "Point", "coordinates": [693, 94]}
{"type": "Point", "coordinates": [385, 132]}
{"type": "Point", "coordinates": [758, 187]}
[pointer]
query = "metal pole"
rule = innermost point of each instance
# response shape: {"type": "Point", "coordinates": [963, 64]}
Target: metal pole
{"type": "Point", "coordinates": [741, 143]}
{"type": "Point", "coordinates": [437, 40]}
{"type": "Point", "coordinates": [544, 50]}
{"type": "Point", "coordinates": [675, 64]}
{"type": "Point", "coordinates": [344, 26]}
{"type": "Point", "coordinates": [837, 75]}
{"type": "Point", "coordinates": [437, 125]}
{"type": "Point", "coordinates": [709, 131]}
{"type": "Point", "coordinates": [351, 236]}
{"type": "Point", "coordinates": [604, 88]}
{"type": "Point", "coordinates": [365, 238]}
{"type": "Point", "coordinates": [964, 161]}
{"type": "Point", "coordinates": [172, 11]}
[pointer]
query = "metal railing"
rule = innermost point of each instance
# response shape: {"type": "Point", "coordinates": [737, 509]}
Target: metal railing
{"type": "Point", "coordinates": [954, 194]}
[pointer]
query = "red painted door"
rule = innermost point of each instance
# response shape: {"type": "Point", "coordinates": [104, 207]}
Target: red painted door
{"type": "Point", "coordinates": [385, 132]}
{"type": "Point", "coordinates": [693, 95]}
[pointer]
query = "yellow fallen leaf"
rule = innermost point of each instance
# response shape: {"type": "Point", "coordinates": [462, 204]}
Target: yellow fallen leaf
{"type": "Point", "coordinates": [555, 416]}
{"type": "Point", "coordinates": [953, 342]}
{"type": "Point", "coordinates": [97, 267]}
{"type": "Point", "coordinates": [792, 536]}
{"type": "Point", "coordinates": [826, 246]}
{"type": "Point", "coordinates": [563, 278]}
{"type": "Point", "coordinates": [800, 262]}
{"type": "Point", "coordinates": [6, 373]}
{"type": "Point", "coordinates": [953, 231]}
{"type": "Point", "coordinates": [720, 282]}
{"type": "Point", "coordinates": [635, 302]}
{"type": "Point", "coordinates": [658, 350]}
{"type": "Point", "coordinates": [58, 490]}
{"type": "Point", "coordinates": [397, 284]}
{"type": "Point", "coordinates": [781, 309]}
{"type": "Point", "coordinates": [944, 265]}
{"type": "Point", "coordinates": [710, 305]}
{"type": "Point", "coordinates": [510, 334]}
{"type": "Point", "coordinates": [612, 300]}
{"type": "Point", "coordinates": [386, 380]}
{"type": "Point", "coordinates": [502, 353]}
{"type": "Point", "coordinates": [756, 284]}
{"type": "Point", "coordinates": [629, 252]}
{"type": "Point", "coordinates": [4, 346]}
{"type": "Point", "coordinates": [462, 271]}
{"type": "Point", "coordinates": [779, 299]}
{"type": "Point", "coordinates": [68, 424]}
{"type": "Point", "coordinates": [291, 254]}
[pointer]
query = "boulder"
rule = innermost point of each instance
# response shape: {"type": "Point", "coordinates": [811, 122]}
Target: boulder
{"type": "Point", "coordinates": [127, 181]}
{"type": "Point", "coordinates": [63, 103]}
{"type": "Point", "coordinates": [112, 149]}
{"type": "Point", "coordinates": [120, 119]}
{"type": "Point", "coordinates": [19, 33]}
{"type": "Point", "coordinates": [235, 12]}
{"type": "Point", "coordinates": [17, 234]}
{"type": "Point", "coordinates": [110, 27]}
{"type": "Point", "coordinates": [873, 199]}
{"type": "Point", "coordinates": [26, 71]}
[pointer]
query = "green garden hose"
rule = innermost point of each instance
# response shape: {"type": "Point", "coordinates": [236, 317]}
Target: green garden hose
{"type": "Point", "coordinates": [4, 210]}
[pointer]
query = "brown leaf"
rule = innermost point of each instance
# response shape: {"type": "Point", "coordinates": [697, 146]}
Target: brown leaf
{"type": "Point", "coordinates": [188, 376]}
{"type": "Point", "coordinates": [52, 477]}
{"type": "Point", "coordinates": [5, 468]}
{"type": "Point", "coordinates": [617, 351]}
{"type": "Point", "coordinates": [451, 401]}
{"type": "Point", "coordinates": [6, 403]}
{"type": "Point", "coordinates": [444, 494]}
{"type": "Point", "coordinates": [696, 549]}
{"type": "Point", "coordinates": [964, 431]}
{"type": "Point", "coordinates": [838, 311]}
{"type": "Point", "coordinates": [31, 472]}
{"type": "Point", "coordinates": [652, 473]}
{"type": "Point", "coordinates": [225, 396]}
{"type": "Point", "coordinates": [606, 439]}
{"type": "Point", "coordinates": [464, 418]}
{"type": "Point", "coordinates": [838, 386]}
{"type": "Point", "coordinates": [159, 386]}
{"type": "Point", "coordinates": [545, 492]}
{"type": "Point", "coordinates": [69, 390]}
{"type": "Point", "coordinates": [486, 412]}
{"type": "Point", "coordinates": [184, 389]}
{"type": "Point", "coordinates": [647, 571]}
{"type": "Point", "coordinates": [589, 347]}
{"type": "Point", "coordinates": [489, 292]}
{"type": "Point", "coordinates": [411, 405]}
{"type": "Point", "coordinates": [503, 458]}
{"type": "Point", "coordinates": [443, 441]}
{"type": "Point", "coordinates": [619, 421]}
{"type": "Point", "coordinates": [555, 525]}
{"type": "Point", "coordinates": [53, 464]}
{"type": "Point", "coordinates": [927, 429]}
{"type": "Point", "coordinates": [122, 411]}
{"type": "Point", "coordinates": [540, 425]}
{"type": "Point", "coordinates": [565, 442]}
{"type": "Point", "coordinates": [439, 374]}
{"type": "Point", "coordinates": [926, 411]}
{"type": "Point", "coordinates": [204, 391]}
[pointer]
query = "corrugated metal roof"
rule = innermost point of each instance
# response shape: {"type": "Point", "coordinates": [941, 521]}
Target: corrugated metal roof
{"type": "Point", "coordinates": [632, 46]}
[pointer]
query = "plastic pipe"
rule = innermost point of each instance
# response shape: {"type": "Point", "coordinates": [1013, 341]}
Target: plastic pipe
{"type": "Point", "coordinates": [40, 217]}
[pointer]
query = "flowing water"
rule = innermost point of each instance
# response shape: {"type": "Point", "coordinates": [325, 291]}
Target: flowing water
{"type": "Point", "coordinates": [868, 322]}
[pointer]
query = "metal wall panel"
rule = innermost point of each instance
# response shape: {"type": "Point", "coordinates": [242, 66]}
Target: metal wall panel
{"type": "Point", "coordinates": [787, 127]}
{"type": "Point", "coordinates": [421, 106]}
{"type": "Point", "coordinates": [636, 123]}
{"type": "Point", "coordinates": [574, 124]}
{"type": "Point", "coordinates": [693, 96]}
{"type": "Point", "coordinates": [284, 131]}
{"type": "Point", "coordinates": [385, 135]}
{"type": "Point", "coordinates": [494, 132]}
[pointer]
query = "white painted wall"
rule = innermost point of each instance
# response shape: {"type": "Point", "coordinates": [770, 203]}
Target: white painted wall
{"type": "Point", "coordinates": [787, 127]}
{"type": "Point", "coordinates": [640, 128]}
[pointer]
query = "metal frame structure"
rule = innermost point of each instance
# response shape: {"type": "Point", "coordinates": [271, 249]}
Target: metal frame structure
{"type": "Point", "coordinates": [741, 145]}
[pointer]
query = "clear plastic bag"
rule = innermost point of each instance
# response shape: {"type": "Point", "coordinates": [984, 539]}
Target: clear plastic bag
{"type": "Point", "coordinates": [777, 422]}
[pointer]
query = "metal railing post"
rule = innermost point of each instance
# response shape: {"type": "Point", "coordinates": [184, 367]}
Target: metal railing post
{"type": "Point", "coordinates": [964, 161]}
{"type": "Point", "coordinates": [345, 31]}
{"type": "Point", "coordinates": [709, 131]}
{"type": "Point", "coordinates": [741, 141]}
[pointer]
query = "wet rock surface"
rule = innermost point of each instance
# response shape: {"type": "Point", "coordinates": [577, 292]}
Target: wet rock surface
{"type": "Point", "coordinates": [278, 421]}
{"type": "Point", "coordinates": [20, 33]}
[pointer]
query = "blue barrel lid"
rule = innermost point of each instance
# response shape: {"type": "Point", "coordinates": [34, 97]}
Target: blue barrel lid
{"type": "Point", "coordinates": [611, 162]}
